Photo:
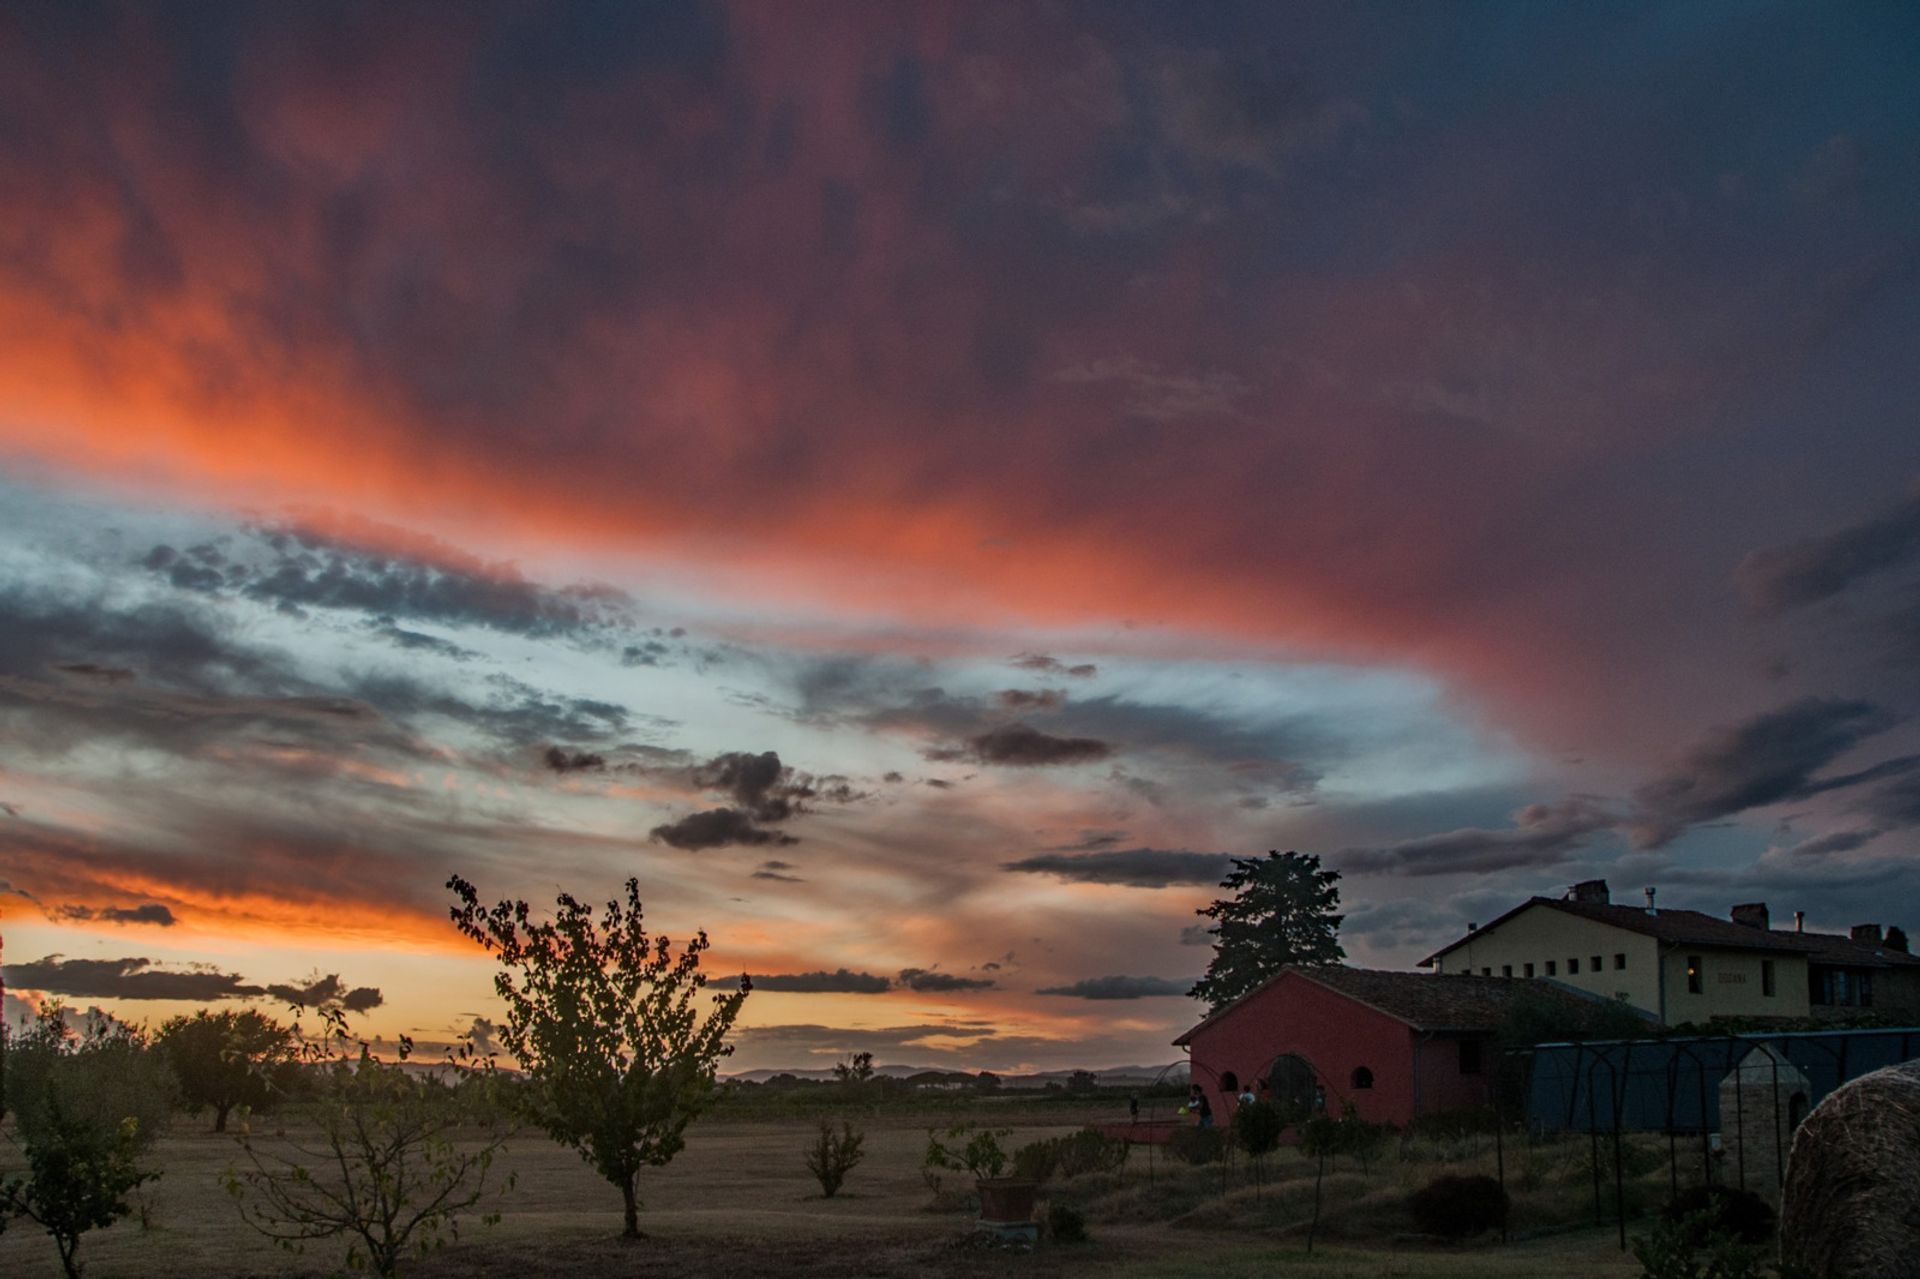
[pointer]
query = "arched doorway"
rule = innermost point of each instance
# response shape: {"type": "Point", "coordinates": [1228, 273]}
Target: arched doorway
{"type": "Point", "coordinates": [1292, 1084]}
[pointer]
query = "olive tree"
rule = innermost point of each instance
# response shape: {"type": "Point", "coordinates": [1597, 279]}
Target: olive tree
{"type": "Point", "coordinates": [223, 1059]}
{"type": "Point", "coordinates": [603, 1021]}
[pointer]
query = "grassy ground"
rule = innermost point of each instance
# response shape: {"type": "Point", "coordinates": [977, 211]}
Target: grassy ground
{"type": "Point", "coordinates": [738, 1201]}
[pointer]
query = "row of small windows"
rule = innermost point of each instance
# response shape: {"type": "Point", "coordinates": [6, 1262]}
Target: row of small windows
{"type": "Point", "coordinates": [1553, 966]}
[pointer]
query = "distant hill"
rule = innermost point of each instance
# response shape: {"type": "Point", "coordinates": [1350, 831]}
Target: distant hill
{"type": "Point", "coordinates": [1109, 1076]}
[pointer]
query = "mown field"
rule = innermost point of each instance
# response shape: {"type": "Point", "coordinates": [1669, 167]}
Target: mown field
{"type": "Point", "coordinates": [738, 1201]}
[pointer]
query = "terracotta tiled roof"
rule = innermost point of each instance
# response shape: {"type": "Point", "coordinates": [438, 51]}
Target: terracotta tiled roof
{"type": "Point", "coordinates": [1676, 927]}
{"type": "Point", "coordinates": [1842, 951]}
{"type": "Point", "coordinates": [1425, 1001]}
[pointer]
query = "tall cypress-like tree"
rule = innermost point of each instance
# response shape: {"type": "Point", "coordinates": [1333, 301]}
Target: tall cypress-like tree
{"type": "Point", "coordinates": [1284, 910]}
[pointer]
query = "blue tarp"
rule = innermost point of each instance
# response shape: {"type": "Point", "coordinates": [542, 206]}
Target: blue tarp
{"type": "Point", "coordinates": [1673, 1085]}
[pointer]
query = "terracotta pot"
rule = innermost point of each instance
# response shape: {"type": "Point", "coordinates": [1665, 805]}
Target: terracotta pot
{"type": "Point", "coordinates": [1006, 1198]}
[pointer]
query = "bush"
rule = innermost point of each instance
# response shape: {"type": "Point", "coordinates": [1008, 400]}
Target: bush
{"type": "Point", "coordinates": [1672, 1251]}
{"type": "Point", "coordinates": [1037, 1161]}
{"type": "Point", "coordinates": [1083, 1152]}
{"type": "Point", "coordinates": [1257, 1128]}
{"type": "Point", "coordinates": [1198, 1145]}
{"type": "Point", "coordinates": [1721, 1210]}
{"type": "Point", "coordinates": [833, 1155]}
{"type": "Point", "coordinates": [974, 1150]}
{"type": "Point", "coordinates": [1066, 1224]}
{"type": "Point", "coordinates": [1091, 1150]}
{"type": "Point", "coordinates": [1457, 1207]}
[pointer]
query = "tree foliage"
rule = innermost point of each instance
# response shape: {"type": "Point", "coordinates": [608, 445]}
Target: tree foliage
{"type": "Point", "coordinates": [856, 1070]}
{"type": "Point", "coordinates": [602, 1018]}
{"type": "Point", "coordinates": [400, 1157]}
{"type": "Point", "coordinates": [224, 1059]}
{"type": "Point", "coordinates": [86, 1107]}
{"type": "Point", "coordinates": [1533, 1017]}
{"type": "Point", "coordinates": [1283, 910]}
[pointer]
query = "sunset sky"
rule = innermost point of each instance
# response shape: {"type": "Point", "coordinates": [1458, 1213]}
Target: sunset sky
{"type": "Point", "coordinates": [922, 485]}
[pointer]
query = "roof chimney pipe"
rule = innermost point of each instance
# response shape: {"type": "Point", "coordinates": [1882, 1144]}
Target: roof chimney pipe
{"type": "Point", "coordinates": [1650, 906]}
{"type": "Point", "coordinates": [1799, 921]}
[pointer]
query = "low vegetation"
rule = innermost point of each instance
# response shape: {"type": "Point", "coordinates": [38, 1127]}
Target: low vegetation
{"type": "Point", "coordinates": [833, 1155]}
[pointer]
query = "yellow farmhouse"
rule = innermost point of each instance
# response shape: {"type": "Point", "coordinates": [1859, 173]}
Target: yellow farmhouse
{"type": "Point", "coordinates": [1685, 966]}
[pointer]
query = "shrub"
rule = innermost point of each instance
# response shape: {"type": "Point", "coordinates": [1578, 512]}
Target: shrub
{"type": "Point", "coordinates": [980, 1153]}
{"type": "Point", "coordinates": [1721, 1210]}
{"type": "Point", "coordinates": [1457, 1207]}
{"type": "Point", "coordinates": [833, 1155]}
{"type": "Point", "coordinates": [1257, 1128]}
{"type": "Point", "coordinates": [1091, 1150]}
{"type": "Point", "coordinates": [1673, 1251]}
{"type": "Point", "coordinates": [1037, 1161]}
{"type": "Point", "coordinates": [1066, 1223]}
{"type": "Point", "coordinates": [1198, 1145]}
{"type": "Point", "coordinates": [1083, 1152]}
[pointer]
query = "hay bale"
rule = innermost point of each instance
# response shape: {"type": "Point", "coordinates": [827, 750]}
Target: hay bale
{"type": "Point", "coordinates": [1852, 1200]}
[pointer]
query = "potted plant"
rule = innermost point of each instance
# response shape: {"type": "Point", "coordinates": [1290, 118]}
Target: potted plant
{"type": "Point", "coordinates": [977, 1151]}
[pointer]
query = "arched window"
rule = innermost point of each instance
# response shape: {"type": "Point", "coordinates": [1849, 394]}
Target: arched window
{"type": "Point", "coordinates": [1362, 1077]}
{"type": "Point", "coordinates": [1229, 1082]}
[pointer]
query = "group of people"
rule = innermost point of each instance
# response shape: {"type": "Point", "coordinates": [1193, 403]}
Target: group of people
{"type": "Point", "coordinates": [1199, 1105]}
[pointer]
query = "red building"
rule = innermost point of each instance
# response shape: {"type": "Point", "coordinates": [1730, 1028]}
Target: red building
{"type": "Point", "coordinates": [1395, 1045]}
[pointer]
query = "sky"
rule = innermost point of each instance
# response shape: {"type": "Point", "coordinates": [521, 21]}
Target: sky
{"type": "Point", "coordinates": [922, 486]}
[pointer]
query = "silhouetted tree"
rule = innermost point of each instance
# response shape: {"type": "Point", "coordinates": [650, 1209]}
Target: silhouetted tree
{"type": "Point", "coordinates": [1283, 911]}
{"type": "Point", "coordinates": [855, 1070]}
{"type": "Point", "coordinates": [223, 1059]}
{"type": "Point", "coordinates": [602, 1020]}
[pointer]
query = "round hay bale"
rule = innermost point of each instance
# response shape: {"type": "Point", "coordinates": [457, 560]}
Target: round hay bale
{"type": "Point", "coordinates": [1852, 1201]}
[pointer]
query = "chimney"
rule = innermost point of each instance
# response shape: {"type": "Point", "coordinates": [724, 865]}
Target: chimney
{"type": "Point", "coordinates": [1866, 933]}
{"type": "Point", "coordinates": [1650, 906]}
{"type": "Point", "coordinates": [1799, 921]}
{"type": "Point", "coordinates": [1591, 890]}
{"type": "Point", "coordinates": [1753, 915]}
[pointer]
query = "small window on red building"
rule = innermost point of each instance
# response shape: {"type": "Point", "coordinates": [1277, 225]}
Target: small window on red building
{"type": "Point", "coordinates": [1469, 1056]}
{"type": "Point", "coordinates": [1362, 1078]}
{"type": "Point", "coordinates": [1229, 1082]}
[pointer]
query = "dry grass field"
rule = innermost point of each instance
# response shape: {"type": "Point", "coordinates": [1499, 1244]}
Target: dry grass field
{"type": "Point", "coordinates": [738, 1202]}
